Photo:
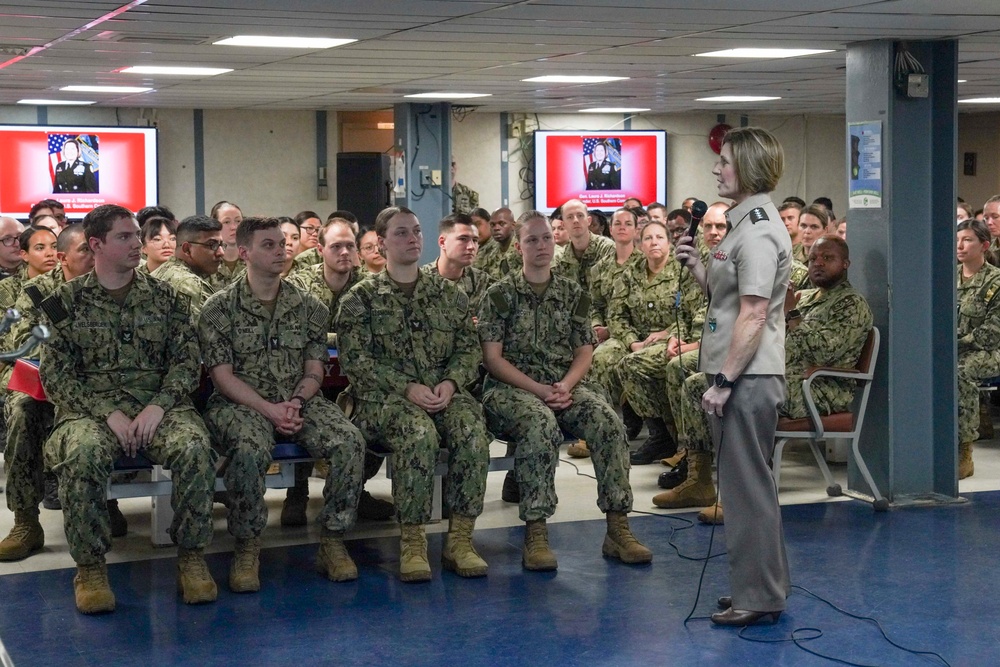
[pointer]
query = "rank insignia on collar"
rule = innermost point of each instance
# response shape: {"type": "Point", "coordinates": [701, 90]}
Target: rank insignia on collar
{"type": "Point", "coordinates": [273, 342]}
{"type": "Point", "coordinates": [758, 214]}
{"type": "Point", "coordinates": [649, 305]}
{"type": "Point", "coordinates": [720, 255]}
{"type": "Point", "coordinates": [126, 336]}
{"type": "Point", "coordinates": [416, 325]}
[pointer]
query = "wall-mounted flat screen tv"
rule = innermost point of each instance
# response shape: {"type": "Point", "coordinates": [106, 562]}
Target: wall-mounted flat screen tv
{"type": "Point", "coordinates": [80, 166]}
{"type": "Point", "coordinates": [601, 168]}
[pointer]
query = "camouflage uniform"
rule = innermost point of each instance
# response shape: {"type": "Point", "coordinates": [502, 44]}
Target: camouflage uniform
{"type": "Point", "coordinates": [578, 269]}
{"type": "Point", "coordinates": [305, 259]}
{"type": "Point", "coordinates": [474, 283]}
{"type": "Point", "coordinates": [799, 253]}
{"type": "Point", "coordinates": [798, 276]}
{"type": "Point", "coordinates": [10, 288]}
{"type": "Point", "coordinates": [832, 332]}
{"type": "Point", "coordinates": [978, 343]}
{"type": "Point", "coordinates": [186, 281]}
{"type": "Point", "coordinates": [497, 262]}
{"type": "Point", "coordinates": [387, 341]}
{"type": "Point", "coordinates": [29, 421]}
{"type": "Point", "coordinates": [4, 273]}
{"type": "Point", "coordinates": [539, 336]}
{"type": "Point", "coordinates": [463, 198]}
{"type": "Point", "coordinates": [610, 352]}
{"type": "Point", "coordinates": [268, 352]}
{"type": "Point", "coordinates": [640, 306]}
{"type": "Point", "coordinates": [226, 276]}
{"type": "Point", "coordinates": [311, 280]}
{"type": "Point", "coordinates": [104, 357]}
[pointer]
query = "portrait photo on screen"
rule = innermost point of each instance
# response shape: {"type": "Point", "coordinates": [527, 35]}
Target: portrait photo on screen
{"type": "Point", "coordinates": [74, 163]}
{"type": "Point", "coordinates": [602, 162]}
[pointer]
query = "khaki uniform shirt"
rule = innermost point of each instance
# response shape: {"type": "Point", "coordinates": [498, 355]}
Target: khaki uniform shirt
{"type": "Point", "coordinates": [388, 340]}
{"type": "Point", "coordinates": [753, 260]}
{"type": "Point", "coordinates": [539, 333]}
{"type": "Point", "coordinates": [266, 351]}
{"type": "Point", "coordinates": [186, 281]}
{"type": "Point", "coordinates": [473, 283]}
{"type": "Point", "coordinates": [310, 279]}
{"type": "Point", "coordinates": [578, 269]}
{"type": "Point", "coordinates": [104, 357]}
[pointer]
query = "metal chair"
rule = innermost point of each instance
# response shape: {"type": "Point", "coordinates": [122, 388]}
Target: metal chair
{"type": "Point", "coordinates": [847, 425]}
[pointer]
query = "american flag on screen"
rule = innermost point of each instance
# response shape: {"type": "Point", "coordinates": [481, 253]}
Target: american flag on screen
{"type": "Point", "coordinates": [88, 152]}
{"type": "Point", "coordinates": [614, 146]}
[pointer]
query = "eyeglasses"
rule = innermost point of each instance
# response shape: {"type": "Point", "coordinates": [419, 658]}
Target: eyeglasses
{"type": "Point", "coordinates": [309, 229]}
{"type": "Point", "coordinates": [368, 247]}
{"type": "Point", "coordinates": [9, 241]}
{"type": "Point", "coordinates": [211, 245]}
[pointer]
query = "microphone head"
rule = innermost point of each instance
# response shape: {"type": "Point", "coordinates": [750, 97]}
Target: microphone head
{"type": "Point", "coordinates": [40, 332]}
{"type": "Point", "coordinates": [698, 209]}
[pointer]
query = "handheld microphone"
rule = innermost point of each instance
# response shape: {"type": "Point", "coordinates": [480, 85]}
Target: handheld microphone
{"type": "Point", "coordinates": [698, 210]}
{"type": "Point", "coordinates": [10, 317]}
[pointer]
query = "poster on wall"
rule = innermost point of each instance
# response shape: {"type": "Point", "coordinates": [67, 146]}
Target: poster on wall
{"type": "Point", "coordinates": [82, 167]}
{"type": "Point", "coordinates": [600, 168]}
{"type": "Point", "coordinates": [865, 178]}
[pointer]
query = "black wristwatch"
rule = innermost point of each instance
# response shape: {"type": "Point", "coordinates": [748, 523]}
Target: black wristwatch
{"type": "Point", "coordinates": [722, 382]}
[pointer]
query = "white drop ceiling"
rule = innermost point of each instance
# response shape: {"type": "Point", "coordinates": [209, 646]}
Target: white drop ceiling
{"type": "Point", "coordinates": [485, 46]}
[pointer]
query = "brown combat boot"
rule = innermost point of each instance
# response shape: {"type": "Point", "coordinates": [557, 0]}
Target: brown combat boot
{"type": "Point", "coordinates": [413, 565]}
{"type": "Point", "coordinates": [578, 450]}
{"type": "Point", "coordinates": [25, 538]}
{"type": "Point", "coordinates": [712, 515]}
{"type": "Point", "coordinates": [244, 571]}
{"type": "Point", "coordinates": [697, 490]}
{"type": "Point", "coordinates": [536, 554]}
{"type": "Point", "coordinates": [620, 543]}
{"type": "Point", "coordinates": [332, 559]}
{"type": "Point", "coordinates": [965, 465]}
{"type": "Point", "coordinates": [92, 590]}
{"type": "Point", "coordinates": [293, 511]}
{"type": "Point", "coordinates": [459, 555]}
{"type": "Point", "coordinates": [194, 581]}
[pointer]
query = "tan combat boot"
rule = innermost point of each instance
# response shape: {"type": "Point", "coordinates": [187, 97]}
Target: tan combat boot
{"type": "Point", "coordinates": [620, 543]}
{"type": "Point", "coordinates": [194, 581]}
{"type": "Point", "coordinates": [697, 490]}
{"type": "Point", "coordinates": [965, 465]}
{"type": "Point", "coordinates": [413, 565]}
{"type": "Point", "coordinates": [244, 571]}
{"type": "Point", "coordinates": [712, 515]}
{"type": "Point", "coordinates": [332, 559]}
{"type": "Point", "coordinates": [25, 538]}
{"type": "Point", "coordinates": [536, 554]}
{"type": "Point", "coordinates": [459, 555]}
{"type": "Point", "coordinates": [92, 590]}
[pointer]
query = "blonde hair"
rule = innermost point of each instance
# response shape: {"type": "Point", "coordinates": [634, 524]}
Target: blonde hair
{"type": "Point", "coordinates": [758, 158]}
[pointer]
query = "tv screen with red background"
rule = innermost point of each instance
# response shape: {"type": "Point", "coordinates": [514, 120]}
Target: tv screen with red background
{"type": "Point", "coordinates": [600, 168]}
{"type": "Point", "coordinates": [82, 167]}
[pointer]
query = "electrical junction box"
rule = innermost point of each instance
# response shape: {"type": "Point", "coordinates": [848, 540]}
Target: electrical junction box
{"type": "Point", "coordinates": [917, 85]}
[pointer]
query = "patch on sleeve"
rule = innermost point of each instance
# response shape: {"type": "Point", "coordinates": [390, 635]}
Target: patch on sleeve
{"type": "Point", "coordinates": [54, 309]}
{"type": "Point", "coordinates": [500, 303]}
{"type": "Point", "coordinates": [582, 313]}
{"type": "Point", "coordinates": [320, 315]}
{"type": "Point", "coordinates": [757, 215]}
{"type": "Point", "coordinates": [34, 294]}
{"type": "Point", "coordinates": [215, 318]}
{"type": "Point", "coordinates": [352, 306]}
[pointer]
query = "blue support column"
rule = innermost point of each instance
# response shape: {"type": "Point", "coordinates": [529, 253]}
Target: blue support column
{"type": "Point", "coordinates": [903, 261]}
{"type": "Point", "coordinates": [423, 131]}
